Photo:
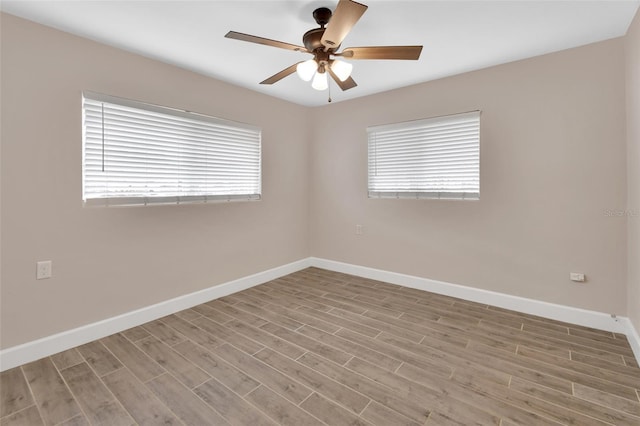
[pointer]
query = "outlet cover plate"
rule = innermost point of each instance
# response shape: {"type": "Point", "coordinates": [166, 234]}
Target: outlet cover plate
{"type": "Point", "coordinates": [576, 276]}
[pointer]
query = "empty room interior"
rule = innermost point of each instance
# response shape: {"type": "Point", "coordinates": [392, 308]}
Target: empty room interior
{"type": "Point", "coordinates": [218, 212]}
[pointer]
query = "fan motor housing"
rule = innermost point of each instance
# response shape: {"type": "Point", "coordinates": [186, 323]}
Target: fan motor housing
{"type": "Point", "coordinates": [312, 39]}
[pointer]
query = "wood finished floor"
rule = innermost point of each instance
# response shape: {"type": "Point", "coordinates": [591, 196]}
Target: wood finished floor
{"type": "Point", "coordinates": [319, 347]}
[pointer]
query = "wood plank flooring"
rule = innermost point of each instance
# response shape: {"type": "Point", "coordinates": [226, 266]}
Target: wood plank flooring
{"type": "Point", "coordinates": [324, 348]}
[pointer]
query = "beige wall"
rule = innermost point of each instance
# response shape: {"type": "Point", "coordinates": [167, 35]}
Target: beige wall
{"type": "Point", "coordinates": [110, 261]}
{"type": "Point", "coordinates": [552, 161]}
{"type": "Point", "coordinates": [632, 48]}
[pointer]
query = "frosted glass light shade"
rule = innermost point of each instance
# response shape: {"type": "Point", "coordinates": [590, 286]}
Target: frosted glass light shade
{"type": "Point", "coordinates": [320, 81]}
{"type": "Point", "coordinates": [306, 69]}
{"type": "Point", "coordinates": [341, 69]}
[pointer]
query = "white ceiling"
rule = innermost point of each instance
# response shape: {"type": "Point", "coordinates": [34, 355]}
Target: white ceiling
{"type": "Point", "coordinates": [458, 36]}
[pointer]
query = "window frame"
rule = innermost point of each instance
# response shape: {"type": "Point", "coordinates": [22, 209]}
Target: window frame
{"type": "Point", "coordinates": [137, 200]}
{"type": "Point", "coordinates": [401, 192]}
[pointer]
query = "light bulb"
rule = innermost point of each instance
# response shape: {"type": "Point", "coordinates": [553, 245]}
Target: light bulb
{"type": "Point", "coordinates": [341, 69]}
{"type": "Point", "coordinates": [320, 81]}
{"type": "Point", "coordinates": [306, 69]}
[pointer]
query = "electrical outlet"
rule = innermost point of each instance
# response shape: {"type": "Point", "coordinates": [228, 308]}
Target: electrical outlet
{"type": "Point", "coordinates": [43, 270]}
{"type": "Point", "coordinates": [358, 229]}
{"type": "Point", "coordinates": [576, 276]}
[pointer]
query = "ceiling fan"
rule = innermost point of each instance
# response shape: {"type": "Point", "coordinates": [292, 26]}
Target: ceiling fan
{"type": "Point", "coordinates": [323, 43]}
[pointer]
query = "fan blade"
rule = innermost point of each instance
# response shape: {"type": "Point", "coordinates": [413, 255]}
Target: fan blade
{"type": "Point", "coordinates": [282, 74]}
{"type": "Point", "coordinates": [345, 16]}
{"type": "Point", "coordinates": [383, 52]}
{"type": "Point", "coordinates": [349, 83]}
{"type": "Point", "coordinates": [266, 41]}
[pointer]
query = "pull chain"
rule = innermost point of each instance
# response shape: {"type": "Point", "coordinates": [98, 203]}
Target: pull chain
{"type": "Point", "coordinates": [329, 85]}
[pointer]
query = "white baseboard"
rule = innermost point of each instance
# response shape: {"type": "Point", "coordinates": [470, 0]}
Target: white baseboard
{"type": "Point", "coordinates": [554, 311]}
{"type": "Point", "coordinates": [31, 351]}
{"type": "Point", "coordinates": [633, 337]}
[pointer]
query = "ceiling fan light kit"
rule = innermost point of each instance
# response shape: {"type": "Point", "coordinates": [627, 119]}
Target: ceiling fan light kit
{"type": "Point", "coordinates": [310, 69]}
{"type": "Point", "coordinates": [320, 81]}
{"type": "Point", "coordinates": [307, 69]}
{"type": "Point", "coordinates": [341, 68]}
{"type": "Point", "coordinates": [323, 43]}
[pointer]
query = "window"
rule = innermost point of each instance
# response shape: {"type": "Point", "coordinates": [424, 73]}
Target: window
{"type": "Point", "coordinates": [431, 158]}
{"type": "Point", "coordinates": [136, 153]}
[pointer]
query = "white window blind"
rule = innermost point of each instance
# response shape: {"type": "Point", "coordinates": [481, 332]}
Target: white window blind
{"type": "Point", "coordinates": [136, 153]}
{"type": "Point", "coordinates": [431, 158]}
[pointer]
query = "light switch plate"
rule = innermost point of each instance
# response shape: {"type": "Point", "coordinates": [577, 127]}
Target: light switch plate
{"type": "Point", "coordinates": [43, 269]}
